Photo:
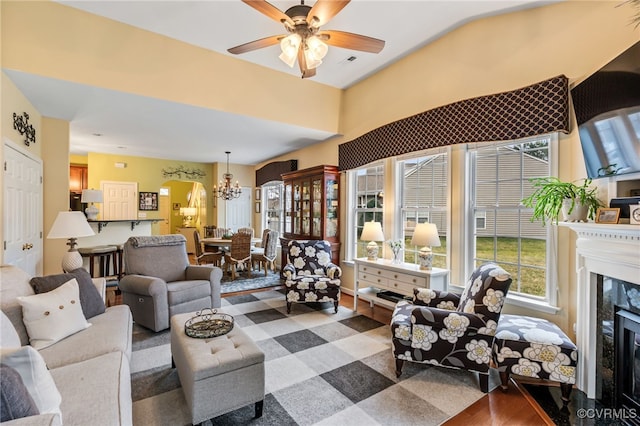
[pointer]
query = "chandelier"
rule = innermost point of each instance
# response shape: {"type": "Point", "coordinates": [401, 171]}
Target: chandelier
{"type": "Point", "coordinates": [226, 190]}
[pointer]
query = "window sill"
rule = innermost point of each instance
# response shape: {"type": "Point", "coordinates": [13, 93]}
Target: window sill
{"type": "Point", "coordinates": [524, 302]}
{"type": "Point", "coordinates": [519, 301]}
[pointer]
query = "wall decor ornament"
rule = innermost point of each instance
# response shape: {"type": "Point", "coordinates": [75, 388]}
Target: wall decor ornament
{"type": "Point", "coordinates": [181, 172]}
{"type": "Point", "coordinates": [21, 124]}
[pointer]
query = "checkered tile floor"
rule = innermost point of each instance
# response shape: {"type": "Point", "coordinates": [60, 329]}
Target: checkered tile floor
{"type": "Point", "coordinates": [336, 369]}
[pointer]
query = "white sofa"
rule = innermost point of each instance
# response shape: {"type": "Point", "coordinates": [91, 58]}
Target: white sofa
{"type": "Point", "coordinates": [90, 368]}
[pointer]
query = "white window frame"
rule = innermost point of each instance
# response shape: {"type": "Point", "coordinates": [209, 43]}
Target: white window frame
{"type": "Point", "coordinates": [352, 218]}
{"type": "Point", "coordinates": [263, 205]}
{"type": "Point", "coordinates": [547, 304]}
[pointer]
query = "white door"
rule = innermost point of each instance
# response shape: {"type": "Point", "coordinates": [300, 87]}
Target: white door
{"type": "Point", "coordinates": [239, 210]}
{"type": "Point", "coordinates": [22, 210]}
{"type": "Point", "coordinates": [164, 206]}
{"type": "Point", "coordinates": [120, 200]}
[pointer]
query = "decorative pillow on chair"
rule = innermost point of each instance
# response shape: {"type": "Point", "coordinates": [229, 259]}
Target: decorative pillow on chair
{"type": "Point", "coordinates": [90, 299]}
{"type": "Point", "coordinates": [52, 316]}
{"type": "Point", "coordinates": [30, 365]}
{"type": "Point", "coordinates": [15, 400]}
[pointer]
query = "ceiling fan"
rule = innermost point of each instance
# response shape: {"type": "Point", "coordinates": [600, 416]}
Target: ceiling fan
{"type": "Point", "coordinates": [305, 41]}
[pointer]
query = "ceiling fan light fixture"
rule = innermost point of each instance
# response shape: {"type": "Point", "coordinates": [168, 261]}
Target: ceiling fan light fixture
{"type": "Point", "coordinates": [289, 46]}
{"type": "Point", "coordinates": [317, 47]}
{"type": "Point", "coordinates": [311, 60]}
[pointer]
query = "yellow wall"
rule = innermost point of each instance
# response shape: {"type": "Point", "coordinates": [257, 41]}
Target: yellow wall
{"type": "Point", "coordinates": [487, 56]}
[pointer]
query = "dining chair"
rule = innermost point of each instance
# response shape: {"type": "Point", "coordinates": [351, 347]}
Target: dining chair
{"type": "Point", "coordinates": [246, 231]}
{"type": "Point", "coordinates": [266, 255]}
{"type": "Point", "coordinates": [206, 257]}
{"type": "Point", "coordinates": [240, 254]}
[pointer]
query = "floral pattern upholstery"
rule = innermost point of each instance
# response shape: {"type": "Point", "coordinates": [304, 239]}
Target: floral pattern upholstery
{"type": "Point", "coordinates": [310, 276]}
{"type": "Point", "coordinates": [445, 329]}
{"type": "Point", "coordinates": [534, 347]}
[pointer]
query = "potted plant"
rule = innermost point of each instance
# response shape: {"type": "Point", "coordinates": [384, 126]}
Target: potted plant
{"type": "Point", "coordinates": [551, 196]}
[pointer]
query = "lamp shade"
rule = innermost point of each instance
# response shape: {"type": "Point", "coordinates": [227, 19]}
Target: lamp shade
{"type": "Point", "coordinates": [425, 234]}
{"type": "Point", "coordinates": [91, 196]}
{"type": "Point", "coordinates": [372, 231]}
{"type": "Point", "coordinates": [70, 225]}
{"type": "Point", "coordinates": [188, 211]}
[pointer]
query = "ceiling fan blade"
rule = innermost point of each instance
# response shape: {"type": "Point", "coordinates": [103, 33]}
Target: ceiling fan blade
{"type": "Point", "coordinates": [302, 62]}
{"type": "Point", "coordinates": [255, 44]}
{"type": "Point", "coordinates": [269, 10]}
{"type": "Point", "coordinates": [324, 10]}
{"type": "Point", "coordinates": [352, 41]}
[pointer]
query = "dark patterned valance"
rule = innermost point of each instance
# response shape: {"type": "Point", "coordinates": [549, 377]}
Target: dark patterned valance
{"type": "Point", "coordinates": [273, 171]}
{"type": "Point", "coordinates": [605, 91]}
{"type": "Point", "coordinates": [533, 110]}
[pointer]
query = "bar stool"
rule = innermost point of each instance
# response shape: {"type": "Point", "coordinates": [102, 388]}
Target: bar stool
{"type": "Point", "coordinates": [104, 255]}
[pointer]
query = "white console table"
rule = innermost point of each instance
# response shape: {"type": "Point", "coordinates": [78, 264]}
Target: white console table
{"type": "Point", "coordinates": [372, 277]}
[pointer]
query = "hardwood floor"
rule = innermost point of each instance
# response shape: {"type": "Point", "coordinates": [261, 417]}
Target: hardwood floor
{"type": "Point", "coordinates": [515, 407]}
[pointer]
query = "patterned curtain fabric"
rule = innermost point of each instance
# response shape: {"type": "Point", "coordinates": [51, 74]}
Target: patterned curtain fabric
{"type": "Point", "coordinates": [533, 110]}
{"type": "Point", "coordinates": [273, 171]}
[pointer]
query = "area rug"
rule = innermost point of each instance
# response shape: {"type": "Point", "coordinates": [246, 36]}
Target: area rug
{"type": "Point", "coordinates": [321, 368]}
{"type": "Point", "coordinates": [243, 283]}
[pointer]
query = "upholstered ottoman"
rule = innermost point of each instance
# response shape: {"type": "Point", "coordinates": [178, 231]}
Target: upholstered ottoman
{"type": "Point", "coordinates": [534, 347]}
{"type": "Point", "coordinates": [217, 375]}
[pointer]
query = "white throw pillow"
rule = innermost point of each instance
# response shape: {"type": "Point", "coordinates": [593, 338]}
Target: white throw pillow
{"type": "Point", "coordinates": [36, 377]}
{"type": "Point", "coordinates": [52, 316]}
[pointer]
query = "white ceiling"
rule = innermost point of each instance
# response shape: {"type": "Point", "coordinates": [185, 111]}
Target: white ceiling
{"type": "Point", "coordinates": [141, 126]}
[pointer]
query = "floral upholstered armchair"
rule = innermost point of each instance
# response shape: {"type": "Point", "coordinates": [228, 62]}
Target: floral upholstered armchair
{"type": "Point", "coordinates": [310, 276]}
{"type": "Point", "coordinates": [442, 328]}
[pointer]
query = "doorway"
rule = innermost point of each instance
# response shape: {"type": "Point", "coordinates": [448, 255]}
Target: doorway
{"type": "Point", "coordinates": [22, 210]}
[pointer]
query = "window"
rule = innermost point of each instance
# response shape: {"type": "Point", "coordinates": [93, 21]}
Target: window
{"type": "Point", "coordinates": [503, 232]}
{"type": "Point", "coordinates": [368, 184]}
{"type": "Point", "coordinates": [424, 191]}
{"type": "Point", "coordinates": [273, 209]}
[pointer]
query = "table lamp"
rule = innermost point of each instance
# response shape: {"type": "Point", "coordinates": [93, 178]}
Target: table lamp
{"type": "Point", "coordinates": [426, 235]}
{"type": "Point", "coordinates": [187, 215]}
{"type": "Point", "coordinates": [91, 196]}
{"type": "Point", "coordinates": [71, 225]}
{"type": "Point", "coordinates": [372, 232]}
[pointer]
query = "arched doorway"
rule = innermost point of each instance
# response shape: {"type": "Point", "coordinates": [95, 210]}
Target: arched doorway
{"type": "Point", "coordinates": [176, 194]}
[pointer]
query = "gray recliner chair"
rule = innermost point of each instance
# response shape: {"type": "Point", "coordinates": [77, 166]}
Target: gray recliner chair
{"type": "Point", "coordinates": [159, 282]}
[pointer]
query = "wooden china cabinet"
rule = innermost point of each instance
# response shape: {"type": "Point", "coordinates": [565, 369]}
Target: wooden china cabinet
{"type": "Point", "coordinates": [311, 210]}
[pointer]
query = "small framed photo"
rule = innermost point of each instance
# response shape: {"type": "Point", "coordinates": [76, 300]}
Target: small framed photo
{"type": "Point", "coordinates": [258, 192]}
{"type": "Point", "coordinates": [257, 207]}
{"type": "Point", "coordinates": [176, 206]}
{"type": "Point", "coordinates": [607, 215]}
{"type": "Point", "coordinates": [148, 201]}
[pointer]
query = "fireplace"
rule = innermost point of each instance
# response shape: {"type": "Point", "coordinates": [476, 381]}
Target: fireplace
{"type": "Point", "coordinates": [607, 260]}
{"type": "Point", "coordinates": [627, 390]}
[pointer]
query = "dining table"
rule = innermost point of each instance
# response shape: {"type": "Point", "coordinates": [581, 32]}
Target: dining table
{"type": "Point", "coordinates": [224, 243]}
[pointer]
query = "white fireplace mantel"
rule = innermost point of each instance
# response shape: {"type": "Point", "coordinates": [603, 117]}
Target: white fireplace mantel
{"type": "Point", "coordinates": [611, 250]}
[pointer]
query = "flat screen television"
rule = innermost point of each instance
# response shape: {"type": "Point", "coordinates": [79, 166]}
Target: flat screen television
{"type": "Point", "coordinates": [607, 107]}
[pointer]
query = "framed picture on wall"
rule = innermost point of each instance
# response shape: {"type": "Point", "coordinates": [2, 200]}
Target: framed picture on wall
{"type": "Point", "coordinates": [148, 201]}
{"type": "Point", "coordinates": [258, 192]}
{"type": "Point", "coordinates": [176, 206]}
{"type": "Point", "coordinates": [257, 207]}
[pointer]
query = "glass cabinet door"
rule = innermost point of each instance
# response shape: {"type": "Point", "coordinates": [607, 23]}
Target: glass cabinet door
{"type": "Point", "coordinates": [297, 222]}
{"type": "Point", "coordinates": [316, 187]}
{"type": "Point", "coordinates": [306, 208]}
{"type": "Point", "coordinates": [287, 208]}
{"type": "Point", "coordinates": [332, 208]}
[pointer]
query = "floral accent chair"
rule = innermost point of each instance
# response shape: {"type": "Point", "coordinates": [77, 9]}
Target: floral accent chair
{"type": "Point", "coordinates": [443, 328]}
{"type": "Point", "coordinates": [310, 276]}
{"type": "Point", "coordinates": [535, 347]}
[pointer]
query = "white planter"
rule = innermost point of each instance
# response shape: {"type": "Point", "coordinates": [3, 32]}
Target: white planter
{"type": "Point", "coordinates": [578, 214]}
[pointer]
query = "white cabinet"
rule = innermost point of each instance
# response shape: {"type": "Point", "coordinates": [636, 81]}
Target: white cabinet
{"type": "Point", "coordinates": [372, 277]}
{"type": "Point", "coordinates": [188, 234]}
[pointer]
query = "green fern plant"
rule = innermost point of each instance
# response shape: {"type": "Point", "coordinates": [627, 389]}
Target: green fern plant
{"type": "Point", "coordinates": [550, 194]}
